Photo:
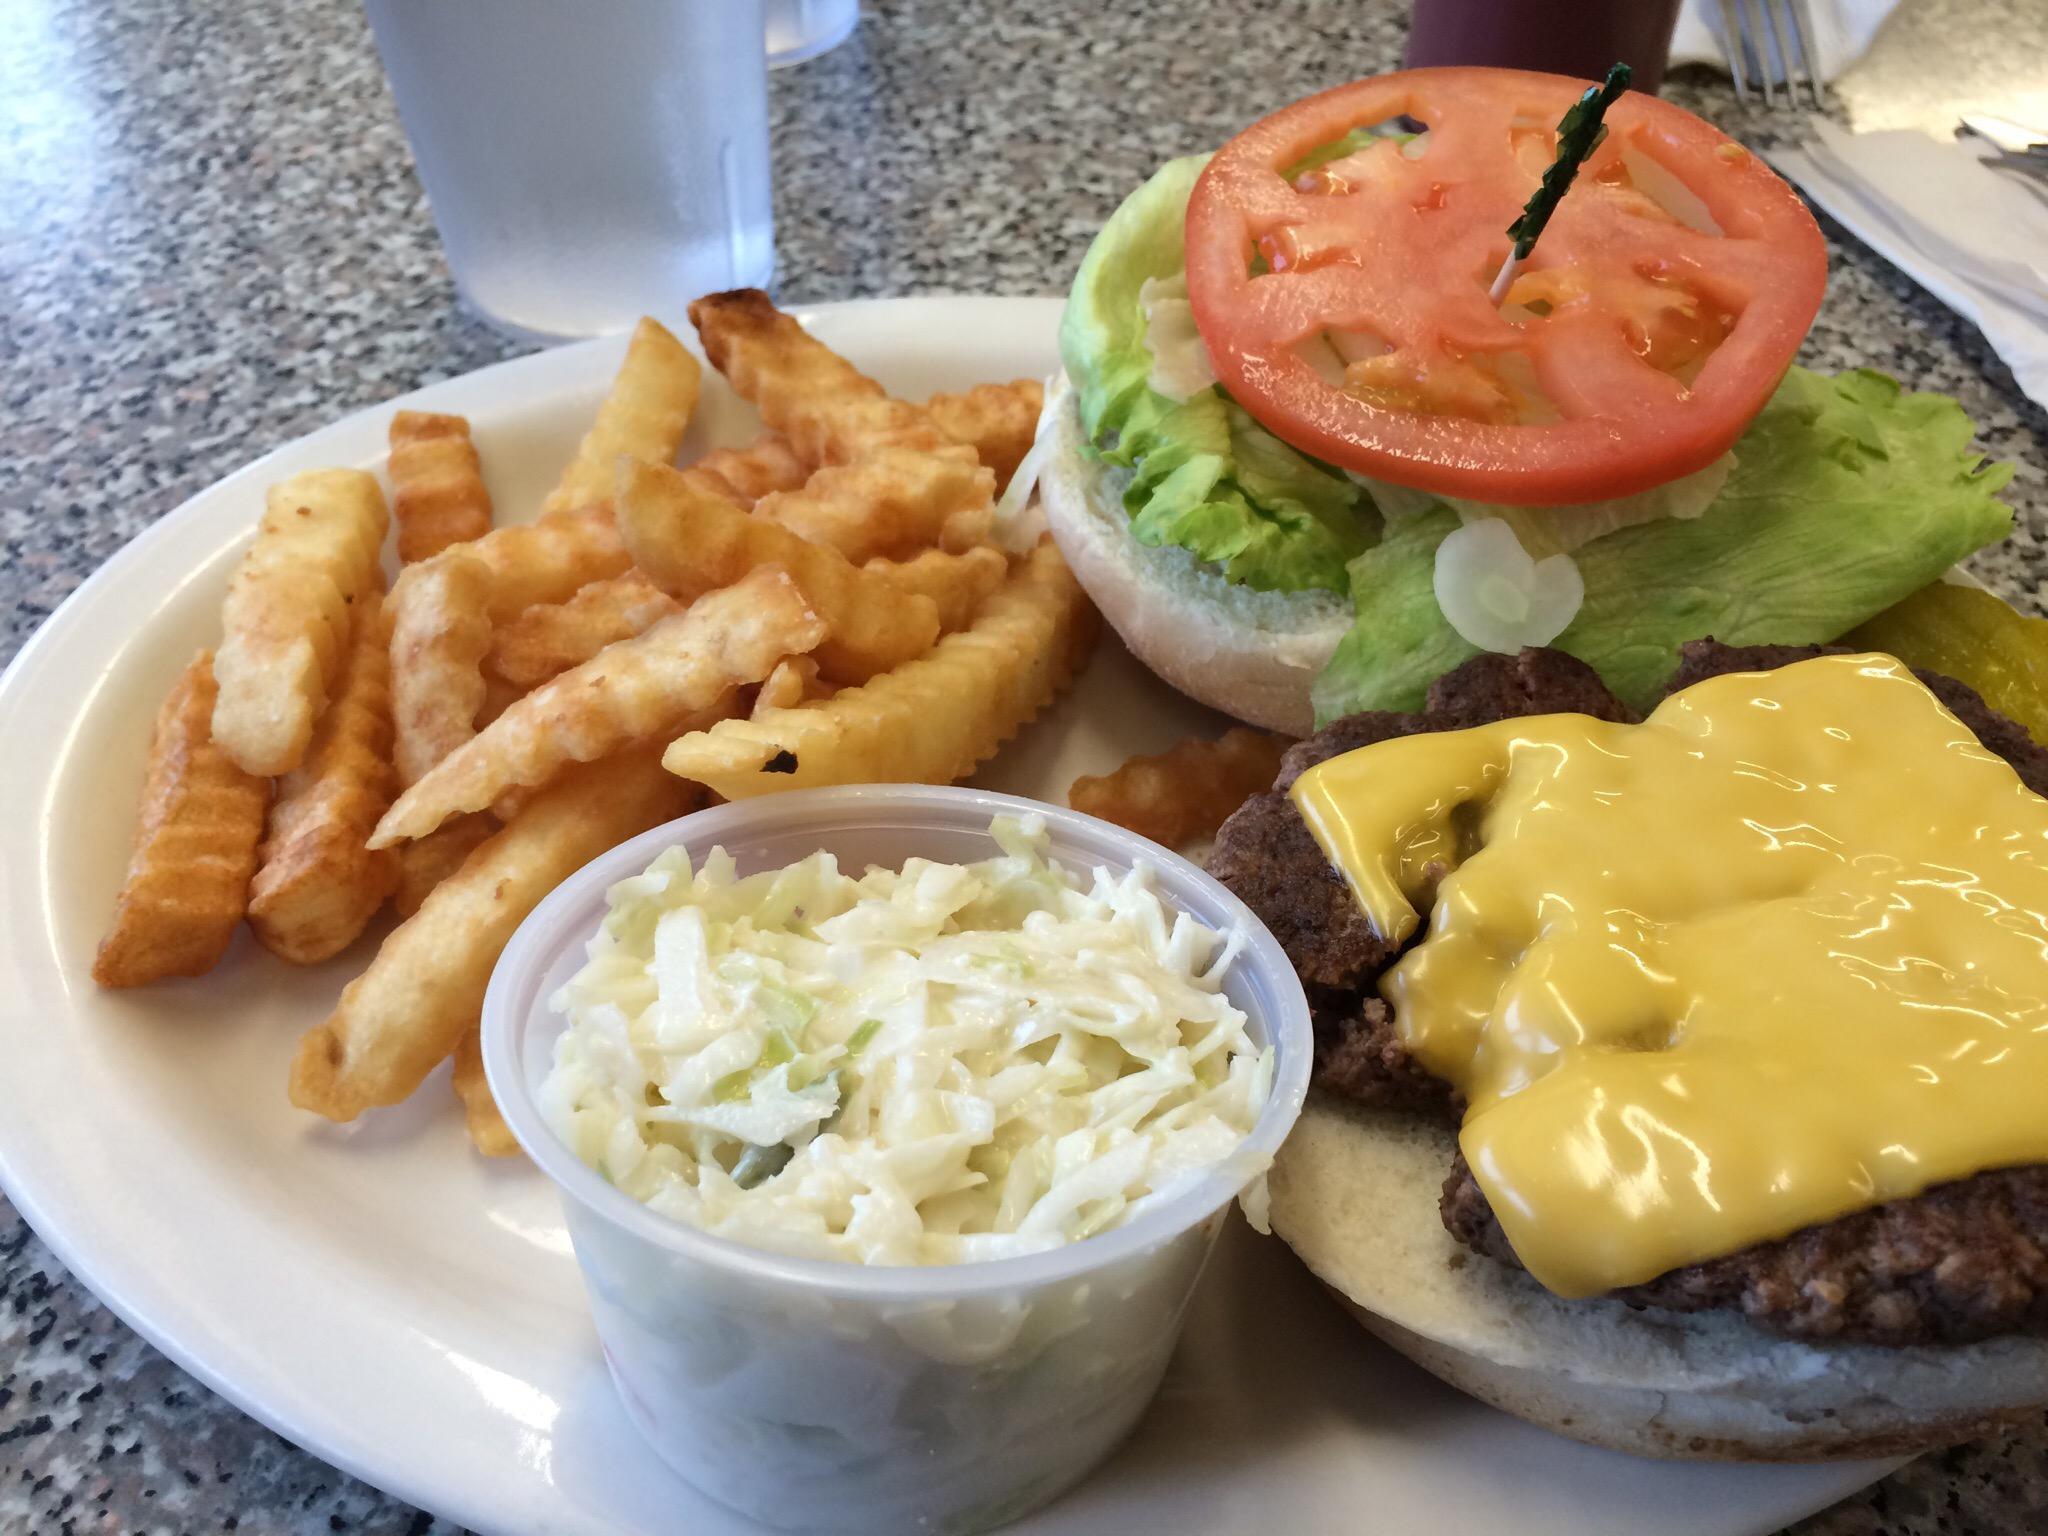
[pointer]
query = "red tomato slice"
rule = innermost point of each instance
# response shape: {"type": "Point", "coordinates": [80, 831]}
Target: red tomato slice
{"type": "Point", "coordinates": [1651, 345]}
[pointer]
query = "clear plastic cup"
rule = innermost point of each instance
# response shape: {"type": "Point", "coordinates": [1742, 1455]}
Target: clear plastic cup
{"type": "Point", "coordinates": [803, 29]}
{"type": "Point", "coordinates": [822, 1396]}
{"type": "Point", "coordinates": [587, 164]}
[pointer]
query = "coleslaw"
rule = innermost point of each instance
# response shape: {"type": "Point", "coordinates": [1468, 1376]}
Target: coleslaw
{"type": "Point", "coordinates": [940, 1065]}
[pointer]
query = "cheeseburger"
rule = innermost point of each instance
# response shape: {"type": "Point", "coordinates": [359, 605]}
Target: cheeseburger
{"type": "Point", "coordinates": [1681, 1004]}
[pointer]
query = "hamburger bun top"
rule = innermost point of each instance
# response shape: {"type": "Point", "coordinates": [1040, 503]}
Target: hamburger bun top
{"type": "Point", "coordinates": [1248, 653]}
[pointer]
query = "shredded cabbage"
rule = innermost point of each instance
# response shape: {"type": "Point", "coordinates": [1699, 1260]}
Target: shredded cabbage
{"type": "Point", "coordinates": [950, 1063]}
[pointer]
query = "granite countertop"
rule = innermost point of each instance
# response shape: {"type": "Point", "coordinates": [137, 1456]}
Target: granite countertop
{"type": "Point", "coordinates": [212, 241]}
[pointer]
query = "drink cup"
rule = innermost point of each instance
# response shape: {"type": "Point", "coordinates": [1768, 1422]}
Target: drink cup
{"type": "Point", "coordinates": [1581, 39]}
{"type": "Point", "coordinates": [803, 29]}
{"type": "Point", "coordinates": [587, 164]}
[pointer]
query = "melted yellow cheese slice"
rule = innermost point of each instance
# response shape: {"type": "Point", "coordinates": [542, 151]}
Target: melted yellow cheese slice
{"type": "Point", "coordinates": [1773, 956]}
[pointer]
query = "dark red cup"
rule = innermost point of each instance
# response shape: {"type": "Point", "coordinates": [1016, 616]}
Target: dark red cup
{"type": "Point", "coordinates": [1580, 38]}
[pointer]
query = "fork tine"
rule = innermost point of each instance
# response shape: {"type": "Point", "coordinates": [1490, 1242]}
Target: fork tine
{"type": "Point", "coordinates": [1809, 56]}
{"type": "Point", "coordinates": [1775, 10]}
{"type": "Point", "coordinates": [1753, 34]}
{"type": "Point", "coordinates": [1732, 38]}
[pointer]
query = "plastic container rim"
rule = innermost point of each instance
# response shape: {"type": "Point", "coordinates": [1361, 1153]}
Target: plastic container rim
{"type": "Point", "coordinates": [1287, 1031]}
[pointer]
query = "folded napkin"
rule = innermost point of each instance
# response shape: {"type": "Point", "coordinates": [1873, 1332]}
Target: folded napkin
{"type": "Point", "coordinates": [1974, 237]}
{"type": "Point", "coordinates": [1842, 30]}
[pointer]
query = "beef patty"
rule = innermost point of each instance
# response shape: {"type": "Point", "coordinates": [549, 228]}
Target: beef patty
{"type": "Point", "coordinates": [1963, 1261]}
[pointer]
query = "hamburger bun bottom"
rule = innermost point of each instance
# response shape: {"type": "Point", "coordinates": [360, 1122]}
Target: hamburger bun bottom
{"type": "Point", "coordinates": [1250, 654]}
{"type": "Point", "coordinates": [1354, 1193]}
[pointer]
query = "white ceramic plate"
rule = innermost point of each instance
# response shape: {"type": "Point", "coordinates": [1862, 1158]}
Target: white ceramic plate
{"type": "Point", "coordinates": [411, 1313]}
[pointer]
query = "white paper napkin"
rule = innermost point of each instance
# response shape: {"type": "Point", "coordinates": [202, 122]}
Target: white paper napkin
{"type": "Point", "coordinates": [1842, 30]}
{"type": "Point", "coordinates": [1975, 238]}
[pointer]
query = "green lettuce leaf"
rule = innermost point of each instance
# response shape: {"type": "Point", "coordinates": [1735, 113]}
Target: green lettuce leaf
{"type": "Point", "coordinates": [1203, 474]}
{"type": "Point", "coordinates": [1400, 643]}
{"type": "Point", "coordinates": [1848, 493]}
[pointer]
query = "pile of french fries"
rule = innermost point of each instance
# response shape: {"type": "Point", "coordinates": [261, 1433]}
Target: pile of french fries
{"type": "Point", "coordinates": [826, 605]}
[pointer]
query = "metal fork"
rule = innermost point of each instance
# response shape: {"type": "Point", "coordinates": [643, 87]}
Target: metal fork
{"type": "Point", "coordinates": [1791, 28]}
{"type": "Point", "coordinates": [2014, 147]}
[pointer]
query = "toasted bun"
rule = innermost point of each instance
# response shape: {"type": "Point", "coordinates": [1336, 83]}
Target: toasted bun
{"type": "Point", "coordinates": [1250, 654]}
{"type": "Point", "coordinates": [1355, 1193]}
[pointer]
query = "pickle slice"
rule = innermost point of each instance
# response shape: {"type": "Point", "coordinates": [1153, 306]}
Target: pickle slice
{"type": "Point", "coordinates": [1975, 638]}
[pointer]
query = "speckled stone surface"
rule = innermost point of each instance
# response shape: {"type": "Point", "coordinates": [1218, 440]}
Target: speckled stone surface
{"type": "Point", "coordinates": [211, 241]}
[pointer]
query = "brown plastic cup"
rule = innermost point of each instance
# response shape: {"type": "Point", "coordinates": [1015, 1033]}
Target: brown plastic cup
{"type": "Point", "coordinates": [1582, 38]}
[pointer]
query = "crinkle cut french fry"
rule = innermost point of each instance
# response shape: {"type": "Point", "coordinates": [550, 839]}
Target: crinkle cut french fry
{"type": "Point", "coordinates": [499, 696]}
{"type": "Point", "coordinates": [437, 484]}
{"type": "Point", "coordinates": [998, 421]}
{"type": "Point", "coordinates": [957, 584]}
{"type": "Point", "coordinates": [317, 886]}
{"type": "Point", "coordinates": [1189, 790]}
{"type": "Point", "coordinates": [931, 721]}
{"type": "Point", "coordinates": [488, 1132]}
{"type": "Point", "coordinates": [444, 610]}
{"type": "Point", "coordinates": [510, 802]}
{"type": "Point", "coordinates": [440, 629]}
{"type": "Point", "coordinates": [689, 542]}
{"type": "Point", "coordinates": [829, 410]}
{"type": "Point", "coordinates": [644, 417]}
{"type": "Point", "coordinates": [637, 691]}
{"type": "Point", "coordinates": [426, 861]}
{"type": "Point", "coordinates": [547, 561]}
{"type": "Point", "coordinates": [195, 847]}
{"type": "Point", "coordinates": [550, 638]}
{"type": "Point", "coordinates": [744, 475]}
{"type": "Point", "coordinates": [425, 988]}
{"type": "Point", "coordinates": [889, 504]}
{"type": "Point", "coordinates": [285, 622]}
{"type": "Point", "coordinates": [794, 679]}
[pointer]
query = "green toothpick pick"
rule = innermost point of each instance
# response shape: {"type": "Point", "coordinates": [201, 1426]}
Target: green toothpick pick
{"type": "Point", "coordinates": [1579, 133]}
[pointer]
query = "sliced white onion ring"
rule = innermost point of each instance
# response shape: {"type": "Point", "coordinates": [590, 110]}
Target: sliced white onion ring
{"type": "Point", "coordinates": [1499, 598]}
{"type": "Point", "coordinates": [1018, 518]}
